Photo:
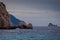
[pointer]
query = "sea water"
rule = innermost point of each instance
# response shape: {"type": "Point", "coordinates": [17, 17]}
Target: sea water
{"type": "Point", "coordinates": [37, 33]}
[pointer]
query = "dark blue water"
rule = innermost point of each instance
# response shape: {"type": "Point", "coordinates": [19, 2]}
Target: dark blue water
{"type": "Point", "coordinates": [37, 33]}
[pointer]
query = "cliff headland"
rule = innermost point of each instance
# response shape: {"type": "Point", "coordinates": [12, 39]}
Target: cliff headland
{"type": "Point", "coordinates": [6, 21]}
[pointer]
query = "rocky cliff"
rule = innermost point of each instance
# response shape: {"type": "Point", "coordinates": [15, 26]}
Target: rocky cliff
{"type": "Point", "coordinates": [7, 21]}
{"type": "Point", "coordinates": [4, 16]}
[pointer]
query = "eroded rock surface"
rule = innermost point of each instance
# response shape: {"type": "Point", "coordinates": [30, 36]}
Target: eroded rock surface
{"type": "Point", "coordinates": [4, 16]}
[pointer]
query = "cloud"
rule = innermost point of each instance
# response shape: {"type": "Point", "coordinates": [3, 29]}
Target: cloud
{"type": "Point", "coordinates": [53, 5]}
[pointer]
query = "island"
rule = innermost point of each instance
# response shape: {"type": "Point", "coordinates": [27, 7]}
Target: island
{"type": "Point", "coordinates": [52, 25]}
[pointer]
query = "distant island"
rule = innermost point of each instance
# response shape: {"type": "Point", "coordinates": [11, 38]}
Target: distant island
{"type": "Point", "coordinates": [52, 25]}
{"type": "Point", "coordinates": [8, 21]}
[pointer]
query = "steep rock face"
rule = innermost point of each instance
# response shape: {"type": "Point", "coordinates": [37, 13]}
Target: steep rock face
{"type": "Point", "coordinates": [4, 16]}
{"type": "Point", "coordinates": [8, 21]}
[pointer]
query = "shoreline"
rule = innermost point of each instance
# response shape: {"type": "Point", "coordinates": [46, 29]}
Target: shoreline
{"type": "Point", "coordinates": [15, 27]}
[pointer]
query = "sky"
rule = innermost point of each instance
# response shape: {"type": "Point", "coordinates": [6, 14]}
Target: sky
{"type": "Point", "coordinates": [37, 12]}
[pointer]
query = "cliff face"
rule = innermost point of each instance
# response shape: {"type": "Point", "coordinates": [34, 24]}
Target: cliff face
{"type": "Point", "coordinates": [4, 16]}
{"type": "Point", "coordinates": [6, 19]}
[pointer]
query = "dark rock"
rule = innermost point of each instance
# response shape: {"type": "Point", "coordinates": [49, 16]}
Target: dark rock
{"type": "Point", "coordinates": [29, 26]}
{"type": "Point", "coordinates": [50, 24]}
{"type": "Point", "coordinates": [4, 16]}
{"type": "Point", "coordinates": [8, 21]}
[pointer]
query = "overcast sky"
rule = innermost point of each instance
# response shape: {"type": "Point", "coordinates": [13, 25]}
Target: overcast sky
{"type": "Point", "coordinates": [37, 12]}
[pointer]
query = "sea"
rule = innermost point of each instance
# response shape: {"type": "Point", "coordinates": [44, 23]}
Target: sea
{"type": "Point", "coordinates": [37, 33]}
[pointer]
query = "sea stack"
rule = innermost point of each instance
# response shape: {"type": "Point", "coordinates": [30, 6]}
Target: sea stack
{"type": "Point", "coordinates": [52, 25]}
{"type": "Point", "coordinates": [4, 16]}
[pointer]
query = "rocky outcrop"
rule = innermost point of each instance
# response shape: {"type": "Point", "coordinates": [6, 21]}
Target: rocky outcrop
{"type": "Point", "coordinates": [19, 23]}
{"type": "Point", "coordinates": [8, 21]}
{"type": "Point", "coordinates": [22, 25]}
{"type": "Point", "coordinates": [25, 26]}
{"type": "Point", "coordinates": [50, 25]}
{"type": "Point", "coordinates": [29, 25]}
{"type": "Point", "coordinates": [4, 16]}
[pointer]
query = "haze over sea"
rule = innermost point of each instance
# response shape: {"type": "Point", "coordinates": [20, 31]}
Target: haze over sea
{"type": "Point", "coordinates": [37, 33]}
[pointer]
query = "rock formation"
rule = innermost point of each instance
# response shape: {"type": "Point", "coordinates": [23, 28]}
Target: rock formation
{"type": "Point", "coordinates": [22, 25]}
{"type": "Point", "coordinates": [4, 16]}
{"type": "Point", "coordinates": [6, 19]}
{"type": "Point", "coordinates": [29, 25]}
{"type": "Point", "coordinates": [50, 25]}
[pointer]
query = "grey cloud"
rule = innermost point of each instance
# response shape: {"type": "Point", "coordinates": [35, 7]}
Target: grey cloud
{"type": "Point", "coordinates": [53, 5]}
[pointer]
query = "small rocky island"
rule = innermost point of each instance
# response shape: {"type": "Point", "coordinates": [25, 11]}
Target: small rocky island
{"type": "Point", "coordinates": [52, 25]}
{"type": "Point", "coordinates": [5, 20]}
